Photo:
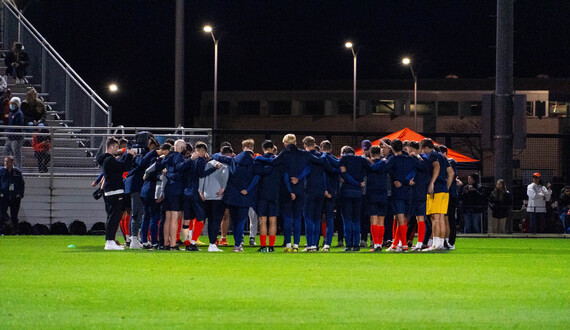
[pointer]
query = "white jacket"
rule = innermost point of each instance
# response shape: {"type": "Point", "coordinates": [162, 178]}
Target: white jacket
{"type": "Point", "coordinates": [537, 196]}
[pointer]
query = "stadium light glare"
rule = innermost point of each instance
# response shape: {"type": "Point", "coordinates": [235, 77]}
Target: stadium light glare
{"type": "Point", "coordinates": [406, 61]}
{"type": "Point", "coordinates": [207, 28]}
{"type": "Point", "coordinates": [348, 45]}
{"type": "Point", "coordinates": [113, 88]}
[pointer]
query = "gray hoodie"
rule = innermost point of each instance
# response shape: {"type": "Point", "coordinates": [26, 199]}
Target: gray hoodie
{"type": "Point", "coordinates": [210, 185]}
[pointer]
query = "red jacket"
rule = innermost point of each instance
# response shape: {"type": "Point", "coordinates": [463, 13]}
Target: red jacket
{"type": "Point", "coordinates": [39, 146]}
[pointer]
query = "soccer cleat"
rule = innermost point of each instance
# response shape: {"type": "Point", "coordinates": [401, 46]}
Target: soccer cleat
{"type": "Point", "coordinates": [174, 248]}
{"type": "Point", "coordinates": [154, 247]}
{"type": "Point", "coordinates": [416, 249]}
{"type": "Point", "coordinates": [164, 248]}
{"type": "Point", "coordinates": [146, 246]}
{"type": "Point", "coordinates": [340, 244]}
{"type": "Point", "coordinates": [111, 245]}
{"type": "Point", "coordinates": [214, 248]}
{"type": "Point", "coordinates": [238, 249]}
{"type": "Point", "coordinates": [404, 248]}
{"type": "Point", "coordinates": [392, 248]}
{"type": "Point", "coordinates": [271, 249]}
{"type": "Point", "coordinates": [452, 247]}
{"type": "Point", "coordinates": [179, 242]}
{"type": "Point", "coordinates": [305, 249]}
{"type": "Point", "coordinates": [377, 249]}
{"type": "Point", "coordinates": [224, 242]}
{"type": "Point", "coordinates": [295, 250]}
{"type": "Point", "coordinates": [192, 248]}
{"type": "Point", "coordinates": [347, 249]}
{"type": "Point", "coordinates": [263, 249]}
{"type": "Point", "coordinates": [288, 250]}
{"type": "Point", "coordinates": [356, 248]}
{"type": "Point", "coordinates": [311, 249]}
{"type": "Point", "coordinates": [326, 249]}
{"type": "Point", "coordinates": [200, 243]}
{"type": "Point", "coordinates": [252, 241]}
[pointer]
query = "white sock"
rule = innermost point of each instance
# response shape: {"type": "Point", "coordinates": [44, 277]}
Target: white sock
{"type": "Point", "coordinates": [186, 234]}
{"type": "Point", "coordinates": [326, 246]}
{"type": "Point", "coordinates": [193, 242]}
{"type": "Point", "coordinates": [288, 245]}
{"type": "Point", "coordinates": [213, 246]}
{"type": "Point", "coordinates": [420, 244]}
{"type": "Point", "coordinates": [430, 242]}
{"type": "Point", "coordinates": [376, 245]}
{"type": "Point", "coordinates": [189, 234]}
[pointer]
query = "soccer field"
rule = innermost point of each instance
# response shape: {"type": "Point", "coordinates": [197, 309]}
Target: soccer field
{"type": "Point", "coordinates": [485, 283]}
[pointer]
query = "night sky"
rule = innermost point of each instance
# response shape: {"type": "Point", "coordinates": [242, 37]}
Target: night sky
{"type": "Point", "coordinates": [288, 44]}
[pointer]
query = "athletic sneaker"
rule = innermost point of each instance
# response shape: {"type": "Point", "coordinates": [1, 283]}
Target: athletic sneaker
{"type": "Point", "coordinates": [111, 245]}
{"type": "Point", "coordinates": [305, 249]}
{"type": "Point", "coordinates": [252, 241]}
{"type": "Point", "coordinates": [238, 249]}
{"type": "Point", "coordinates": [326, 248]}
{"type": "Point", "coordinates": [271, 249]}
{"type": "Point", "coordinates": [135, 243]}
{"type": "Point", "coordinates": [154, 247]}
{"type": "Point", "coordinates": [311, 249]}
{"type": "Point", "coordinates": [347, 249]}
{"type": "Point", "coordinates": [392, 248]}
{"type": "Point", "coordinates": [416, 249]}
{"type": "Point", "coordinates": [263, 249]}
{"type": "Point", "coordinates": [356, 248]}
{"type": "Point", "coordinates": [146, 246]}
{"type": "Point", "coordinates": [452, 247]}
{"type": "Point", "coordinates": [200, 243]}
{"type": "Point", "coordinates": [295, 250]}
{"type": "Point", "coordinates": [174, 248]}
{"type": "Point", "coordinates": [214, 248]}
{"type": "Point", "coordinates": [288, 250]}
{"type": "Point", "coordinates": [164, 248]}
{"type": "Point", "coordinates": [192, 248]}
{"type": "Point", "coordinates": [377, 249]}
{"type": "Point", "coordinates": [224, 242]}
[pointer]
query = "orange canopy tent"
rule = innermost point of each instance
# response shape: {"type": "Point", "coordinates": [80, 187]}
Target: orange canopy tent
{"type": "Point", "coordinates": [408, 134]}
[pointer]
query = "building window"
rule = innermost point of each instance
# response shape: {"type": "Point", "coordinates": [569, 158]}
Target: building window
{"type": "Point", "coordinates": [558, 109]}
{"type": "Point", "coordinates": [427, 109]}
{"type": "Point", "coordinates": [475, 109]}
{"type": "Point", "coordinates": [248, 108]}
{"type": "Point", "coordinates": [445, 108]}
{"type": "Point", "coordinates": [530, 109]}
{"type": "Point", "coordinates": [383, 107]}
{"type": "Point", "coordinates": [314, 108]}
{"type": "Point", "coordinates": [280, 108]}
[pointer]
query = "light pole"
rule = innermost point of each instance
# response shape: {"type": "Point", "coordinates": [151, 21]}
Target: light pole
{"type": "Point", "coordinates": [407, 61]}
{"type": "Point", "coordinates": [208, 29]}
{"type": "Point", "coordinates": [349, 45]}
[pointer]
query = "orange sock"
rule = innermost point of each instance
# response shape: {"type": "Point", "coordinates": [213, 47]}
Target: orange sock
{"type": "Point", "coordinates": [395, 234]}
{"type": "Point", "coordinates": [198, 226]}
{"type": "Point", "coordinates": [421, 231]}
{"type": "Point", "coordinates": [380, 234]}
{"type": "Point", "coordinates": [192, 224]}
{"type": "Point", "coordinates": [179, 229]}
{"type": "Point", "coordinates": [403, 232]}
{"type": "Point", "coordinates": [324, 229]}
{"type": "Point", "coordinates": [271, 240]}
{"type": "Point", "coordinates": [373, 234]}
{"type": "Point", "coordinates": [263, 240]}
{"type": "Point", "coordinates": [125, 221]}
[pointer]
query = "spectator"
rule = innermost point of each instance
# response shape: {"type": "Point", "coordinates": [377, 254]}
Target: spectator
{"type": "Point", "coordinates": [537, 195]}
{"type": "Point", "coordinates": [11, 193]}
{"type": "Point", "coordinates": [14, 144]}
{"type": "Point", "coordinates": [42, 145]}
{"type": "Point", "coordinates": [564, 207]}
{"type": "Point", "coordinates": [34, 109]}
{"type": "Point", "coordinates": [3, 86]}
{"type": "Point", "coordinates": [5, 105]}
{"type": "Point", "coordinates": [471, 201]}
{"type": "Point", "coordinates": [500, 203]}
{"type": "Point", "coordinates": [17, 61]}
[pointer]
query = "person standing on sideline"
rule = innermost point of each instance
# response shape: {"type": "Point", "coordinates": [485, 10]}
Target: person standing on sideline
{"type": "Point", "coordinates": [14, 144]}
{"type": "Point", "coordinates": [536, 207]}
{"type": "Point", "coordinates": [471, 202]}
{"type": "Point", "coordinates": [501, 204]}
{"type": "Point", "coordinates": [114, 188]}
{"type": "Point", "coordinates": [11, 193]}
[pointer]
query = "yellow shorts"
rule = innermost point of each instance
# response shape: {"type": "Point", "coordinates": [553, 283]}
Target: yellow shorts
{"type": "Point", "coordinates": [437, 203]}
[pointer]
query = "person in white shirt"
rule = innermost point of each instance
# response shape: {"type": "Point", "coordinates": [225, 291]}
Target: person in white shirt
{"type": "Point", "coordinates": [537, 196]}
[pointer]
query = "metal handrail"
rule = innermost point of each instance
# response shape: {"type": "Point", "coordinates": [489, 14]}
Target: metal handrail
{"type": "Point", "coordinates": [59, 60]}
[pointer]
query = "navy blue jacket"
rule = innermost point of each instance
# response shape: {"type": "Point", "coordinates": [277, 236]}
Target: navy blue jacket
{"type": "Point", "coordinates": [453, 190]}
{"type": "Point", "coordinates": [14, 179]}
{"type": "Point", "coordinates": [376, 190]}
{"type": "Point", "coordinates": [244, 175]}
{"type": "Point", "coordinates": [421, 178]}
{"type": "Point", "coordinates": [113, 170]}
{"type": "Point", "coordinates": [333, 181]}
{"type": "Point", "coordinates": [175, 184]}
{"type": "Point", "coordinates": [194, 170]}
{"type": "Point", "coordinates": [149, 186]}
{"type": "Point", "coordinates": [15, 118]}
{"type": "Point", "coordinates": [270, 181]}
{"type": "Point", "coordinates": [134, 179]}
{"type": "Point", "coordinates": [401, 168]}
{"type": "Point", "coordinates": [316, 180]}
{"type": "Point", "coordinates": [357, 167]}
{"type": "Point", "coordinates": [294, 161]}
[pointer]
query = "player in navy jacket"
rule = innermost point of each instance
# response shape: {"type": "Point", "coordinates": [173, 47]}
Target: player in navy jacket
{"type": "Point", "coordinates": [241, 192]}
{"type": "Point", "coordinates": [377, 197]}
{"type": "Point", "coordinates": [173, 193]}
{"type": "Point", "coordinates": [418, 209]}
{"type": "Point", "coordinates": [449, 218]}
{"type": "Point", "coordinates": [401, 167]}
{"type": "Point", "coordinates": [351, 195]}
{"type": "Point", "coordinates": [268, 199]}
{"type": "Point", "coordinates": [332, 188]}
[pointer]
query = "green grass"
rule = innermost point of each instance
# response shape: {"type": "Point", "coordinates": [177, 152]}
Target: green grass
{"type": "Point", "coordinates": [485, 283]}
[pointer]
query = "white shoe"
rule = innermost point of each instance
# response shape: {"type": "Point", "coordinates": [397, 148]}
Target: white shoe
{"type": "Point", "coordinates": [135, 243]}
{"type": "Point", "coordinates": [452, 247]}
{"type": "Point", "coordinates": [111, 245]}
{"type": "Point", "coordinates": [416, 248]}
{"type": "Point", "coordinates": [238, 249]}
{"type": "Point", "coordinates": [392, 249]}
{"type": "Point", "coordinates": [214, 248]}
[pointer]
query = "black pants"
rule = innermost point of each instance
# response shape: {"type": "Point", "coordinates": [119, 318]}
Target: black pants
{"type": "Point", "coordinates": [338, 225]}
{"type": "Point", "coordinates": [115, 206]}
{"type": "Point", "coordinates": [364, 220]}
{"type": "Point", "coordinates": [451, 210]}
{"type": "Point", "coordinates": [43, 158]}
{"type": "Point", "coordinates": [14, 206]}
{"type": "Point", "coordinates": [427, 222]}
{"type": "Point", "coordinates": [215, 210]}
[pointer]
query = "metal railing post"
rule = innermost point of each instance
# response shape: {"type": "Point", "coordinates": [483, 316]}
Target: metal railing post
{"type": "Point", "coordinates": [93, 124]}
{"type": "Point", "coordinates": [44, 70]}
{"type": "Point", "coordinates": [51, 173]}
{"type": "Point", "coordinates": [67, 96]}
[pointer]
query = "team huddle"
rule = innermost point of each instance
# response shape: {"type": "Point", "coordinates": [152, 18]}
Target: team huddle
{"type": "Point", "coordinates": [408, 182]}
